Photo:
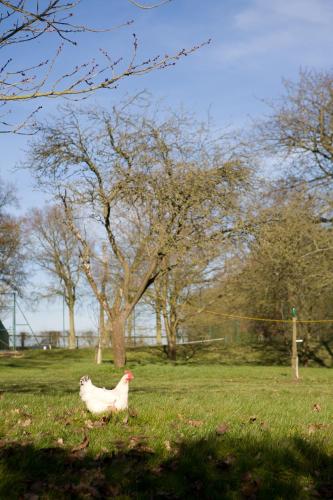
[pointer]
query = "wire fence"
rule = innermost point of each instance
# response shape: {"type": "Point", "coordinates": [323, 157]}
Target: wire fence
{"type": "Point", "coordinates": [227, 331]}
{"type": "Point", "coordinates": [208, 327]}
{"type": "Point", "coordinates": [53, 339]}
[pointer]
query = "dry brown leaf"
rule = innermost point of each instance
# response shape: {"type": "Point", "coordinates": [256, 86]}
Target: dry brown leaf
{"type": "Point", "coordinates": [250, 485]}
{"type": "Point", "coordinates": [143, 448]}
{"type": "Point", "coordinates": [221, 429]}
{"type": "Point", "coordinates": [25, 422]}
{"type": "Point", "coordinates": [135, 440]}
{"type": "Point", "coordinates": [30, 496]}
{"type": "Point", "coordinates": [83, 445]}
{"type": "Point", "coordinates": [60, 441]}
{"type": "Point", "coordinates": [315, 427]}
{"type": "Point", "coordinates": [157, 470]}
{"type": "Point", "coordinates": [316, 407]}
{"type": "Point", "coordinates": [89, 424]}
{"type": "Point", "coordinates": [227, 462]}
{"type": "Point", "coordinates": [121, 445]}
{"type": "Point", "coordinates": [106, 419]}
{"type": "Point", "coordinates": [311, 429]}
{"type": "Point", "coordinates": [167, 445]}
{"type": "Point", "coordinates": [252, 419]}
{"type": "Point", "coordinates": [97, 423]}
{"type": "Point", "coordinates": [230, 459]}
{"type": "Point", "coordinates": [139, 444]}
{"type": "Point", "coordinates": [195, 423]}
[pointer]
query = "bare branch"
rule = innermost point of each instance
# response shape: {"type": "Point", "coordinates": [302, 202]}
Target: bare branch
{"type": "Point", "coordinates": [21, 23]}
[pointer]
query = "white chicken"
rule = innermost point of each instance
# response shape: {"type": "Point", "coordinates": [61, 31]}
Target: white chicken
{"type": "Point", "coordinates": [99, 400]}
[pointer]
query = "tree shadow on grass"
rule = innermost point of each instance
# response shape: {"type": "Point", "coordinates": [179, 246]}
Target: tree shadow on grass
{"type": "Point", "coordinates": [218, 467]}
{"type": "Point", "coordinates": [40, 388]}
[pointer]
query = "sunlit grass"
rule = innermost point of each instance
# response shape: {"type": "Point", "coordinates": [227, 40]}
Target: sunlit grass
{"type": "Point", "coordinates": [193, 430]}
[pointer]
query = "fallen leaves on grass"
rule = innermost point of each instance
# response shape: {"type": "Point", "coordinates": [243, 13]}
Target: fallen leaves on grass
{"type": "Point", "coordinates": [249, 486]}
{"type": "Point", "coordinates": [23, 414]}
{"type": "Point", "coordinates": [316, 407]}
{"type": "Point", "coordinates": [312, 428]}
{"type": "Point", "coordinates": [222, 429]}
{"type": "Point", "coordinates": [4, 442]}
{"type": "Point", "coordinates": [139, 444]}
{"type": "Point", "coordinates": [89, 424]}
{"type": "Point", "coordinates": [324, 490]}
{"type": "Point", "coordinates": [24, 423]}
{"type": "Point", "coordinates": [167, 445]}
{"type": "Point", "coordinates": [226, 462]}
{"type": "Point", "coordinates": [60, 441]}
{"type": "Point", "coordinates": [101, 455]}
{"type": "Point", "coordinates": [83, 445]}
{"type": "Point", "coordinates": [195, 423]}
{"type": "Point", "coordinates": [135, 440]}
{"type": "Point", "coordinates": [89, 483]}
{"type": "Point", "coordinates": [252, 419]}
{"type": "Point", "coordinates": [97, 423]}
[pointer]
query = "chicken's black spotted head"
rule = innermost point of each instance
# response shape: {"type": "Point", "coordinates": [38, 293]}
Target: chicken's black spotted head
{"type": "Point", "coordinates": [128, 375]}
{"type": "Point", "coordinates": [84, 380]}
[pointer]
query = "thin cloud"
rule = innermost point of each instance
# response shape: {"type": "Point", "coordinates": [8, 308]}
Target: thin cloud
{"type": "Point", "coordinates": [263, 13]}
{"type": "Point", "coordinates": [298, 29]}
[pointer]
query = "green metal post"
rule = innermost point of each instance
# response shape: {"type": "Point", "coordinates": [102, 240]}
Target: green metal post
{"type": "Point", "coordinates": [294, 355]}
{"type": "Point", "coordinates": [14, 321]}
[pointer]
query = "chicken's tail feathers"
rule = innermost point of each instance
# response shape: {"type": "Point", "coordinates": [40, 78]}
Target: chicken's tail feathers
{"type": "Point", "coordinates": [84, 380]}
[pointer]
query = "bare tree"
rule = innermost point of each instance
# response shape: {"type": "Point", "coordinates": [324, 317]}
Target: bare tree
{"type": "Point", "coordinates": [300, 128]}
{"type": "Point", "coordinates": [178, 285]}
{"type": "Point", "coordinates": [54, 249]}
{"type": "Point", "coordinates": [12, 275]}
{"type": "Point", "coordinates": [22, 21]}
{"type": "Point", "coordinates": [156, 188]}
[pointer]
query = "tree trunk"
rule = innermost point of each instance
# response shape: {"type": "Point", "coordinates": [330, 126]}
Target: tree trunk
{"type": "Point", "coordinates": [129, 328]}
{"type": "Point", "coordinates": [172, 348]}
{"type": "Point", "coordinates": [104, 332]}
{"type": "Point", "coordinates": [118, 341]}
{"type": "Point", "coordinates": [171, 332]}
{"type": "Point", "coordinates": [158, 322]}
{"type": "Point", "coordinates": [71, 338]}
{"type": "Point", "coordinates": [99, 355]}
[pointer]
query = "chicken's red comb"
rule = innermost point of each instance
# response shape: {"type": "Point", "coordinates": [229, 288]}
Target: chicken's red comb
{"type": "Point", "coordinates": [130, 374]}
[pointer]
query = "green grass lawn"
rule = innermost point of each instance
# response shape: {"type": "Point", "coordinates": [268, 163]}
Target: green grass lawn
{"type": "Point", "coordinates": [198, 429]}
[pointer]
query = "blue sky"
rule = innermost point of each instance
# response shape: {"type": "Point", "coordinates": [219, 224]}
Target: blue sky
{"type": "Point", "coordinates": [255, 43]}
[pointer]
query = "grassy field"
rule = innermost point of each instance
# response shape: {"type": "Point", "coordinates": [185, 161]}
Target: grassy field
{"type": "Point", "coordinates": [202, 428]}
